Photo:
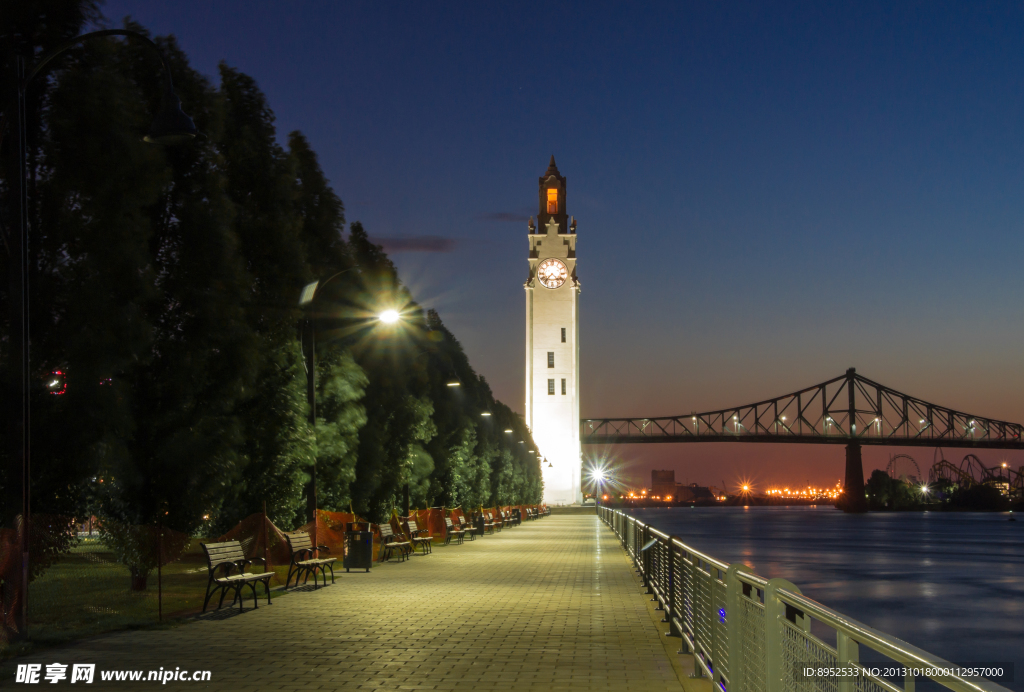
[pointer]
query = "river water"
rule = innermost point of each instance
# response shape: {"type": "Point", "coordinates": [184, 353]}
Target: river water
{"type": "Point", "coordinates": [951, 583]}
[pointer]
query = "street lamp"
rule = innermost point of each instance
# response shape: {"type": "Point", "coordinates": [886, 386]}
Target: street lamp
{"type": "Point", "coordinates": [308, 332]}
{"type": "Point", "coordinates": [171, 126]}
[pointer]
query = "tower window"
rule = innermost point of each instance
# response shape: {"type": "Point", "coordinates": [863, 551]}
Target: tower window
{"type": "Point", "coordinates": [563, 386]}
{"type": "Point", "coordinates": [552, 200]}
{"type": "Point", "coordinates": [551, 387]}
{"type": "Point", "coordinates": [563, 335]}
{"type": "Point", "coordinates": [551, 359]}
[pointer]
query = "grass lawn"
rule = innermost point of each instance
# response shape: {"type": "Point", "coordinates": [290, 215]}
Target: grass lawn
{"type": "Point", "coordinates": [85, 593]}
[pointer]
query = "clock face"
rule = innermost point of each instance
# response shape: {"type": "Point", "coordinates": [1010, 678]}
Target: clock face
{"type": "Point", "coordinates": [552, 273]}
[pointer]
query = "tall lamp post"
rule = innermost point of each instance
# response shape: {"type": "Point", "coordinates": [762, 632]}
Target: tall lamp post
{"type": "Point", "coordinates": [308, 331]}
{"type": "Point", "coordinates": [171, 126]}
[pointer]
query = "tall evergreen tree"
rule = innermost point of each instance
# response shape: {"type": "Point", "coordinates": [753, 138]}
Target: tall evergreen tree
{"type": "Point", "coordinates": [278, 444]}
{"type": "Point", "coordinates": [140, 292]}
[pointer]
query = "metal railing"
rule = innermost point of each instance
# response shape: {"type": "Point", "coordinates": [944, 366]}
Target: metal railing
{"type": "Point", "coordinates": [750, 634]}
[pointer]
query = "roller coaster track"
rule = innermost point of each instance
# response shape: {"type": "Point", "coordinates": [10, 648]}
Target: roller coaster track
{"type": "Point", "coordinates": [972, 472]}
{"type": "Point", "coordinates": [843, 410]}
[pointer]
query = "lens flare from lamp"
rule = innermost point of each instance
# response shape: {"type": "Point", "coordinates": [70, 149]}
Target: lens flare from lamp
{"type": "Point", "coordinates": [389, 316]}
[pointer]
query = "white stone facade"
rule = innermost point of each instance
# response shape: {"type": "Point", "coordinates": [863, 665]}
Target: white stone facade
{"type": "Point", "coordinates": [552, 362]}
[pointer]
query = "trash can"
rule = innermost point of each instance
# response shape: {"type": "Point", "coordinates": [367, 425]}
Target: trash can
{"type": "Point", "coordinates": [478, 523]}
{"type": "Point", "coordinates": [358, 546]}
{"type": "Point", "coordinates": [517, 516]}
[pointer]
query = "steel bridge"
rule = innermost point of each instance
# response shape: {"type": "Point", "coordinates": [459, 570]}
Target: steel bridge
{"type": "Point", "coordinates": [849, 410]}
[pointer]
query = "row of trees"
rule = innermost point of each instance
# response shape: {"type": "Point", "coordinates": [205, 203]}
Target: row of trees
{"type": "Point", "coordinates": [168, 365]}
{"type": "Point", "coordinates": [885, 492]}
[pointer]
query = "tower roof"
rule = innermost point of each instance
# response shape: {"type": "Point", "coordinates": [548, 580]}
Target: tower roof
{"type": "Point", "coordinates": [552, 168]}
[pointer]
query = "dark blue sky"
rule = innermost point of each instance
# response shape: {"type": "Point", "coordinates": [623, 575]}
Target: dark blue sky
{"type": "Point", "coordinates": [765, 196]}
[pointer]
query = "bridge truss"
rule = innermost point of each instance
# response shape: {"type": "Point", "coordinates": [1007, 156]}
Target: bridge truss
{"type": "Point", "coordinates": [844, 410]}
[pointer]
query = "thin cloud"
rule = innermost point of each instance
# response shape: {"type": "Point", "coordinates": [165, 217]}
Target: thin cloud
{"type": "Point", "coordinates": [503, 216]}
{"type": "Point", "coordinates": [418, 243]}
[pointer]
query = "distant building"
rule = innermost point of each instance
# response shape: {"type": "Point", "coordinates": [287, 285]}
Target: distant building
{"type": "Point", "coordinates": [693, 493]}
{"type": "Point", "coordinates": [663, 483]}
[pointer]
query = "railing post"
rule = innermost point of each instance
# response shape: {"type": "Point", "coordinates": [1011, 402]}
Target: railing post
{"type": "Point", "coordinates": [733, 627]}
{"type": "Point", "coordinates": [646, 559]}
{"type": "Point", "coordinates": [774, 631]}
{"type": "Point", "coordinates": [848, 652]}
{"type": "Point", "coordinates": [673, 588]}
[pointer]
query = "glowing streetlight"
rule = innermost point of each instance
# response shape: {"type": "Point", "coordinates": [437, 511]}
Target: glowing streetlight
{"type": "Point", "coordinates": [389, 316]}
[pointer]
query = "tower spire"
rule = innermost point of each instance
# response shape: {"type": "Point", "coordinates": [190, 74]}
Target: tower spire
{"type": "Point", "coordinates": [552, 199]}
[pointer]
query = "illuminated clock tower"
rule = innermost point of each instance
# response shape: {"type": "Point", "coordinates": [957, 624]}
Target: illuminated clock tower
{"type": "Point", "coordinates": [552, 343]}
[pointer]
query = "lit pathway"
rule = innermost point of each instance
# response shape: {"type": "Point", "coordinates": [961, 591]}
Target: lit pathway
{"type": "Point", "coordinates": [550, 605]}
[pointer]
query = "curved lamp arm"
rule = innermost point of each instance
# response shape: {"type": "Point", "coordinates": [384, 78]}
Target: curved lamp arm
{"type": "Point", "coordinates": [96, 34]}
{"type": "Point", "coordinates": [170, 126]}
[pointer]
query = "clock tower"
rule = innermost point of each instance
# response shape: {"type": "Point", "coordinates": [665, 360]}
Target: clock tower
{"type": "Point", "coordinates": [552, 343]}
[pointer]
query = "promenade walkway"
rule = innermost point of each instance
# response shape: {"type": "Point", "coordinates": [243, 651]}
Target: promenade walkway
{"type": "Point", "coordinates": [553, 604]}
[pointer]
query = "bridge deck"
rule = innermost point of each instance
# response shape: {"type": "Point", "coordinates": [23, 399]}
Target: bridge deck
{"type": "Point", "coordinates": [553, 604]}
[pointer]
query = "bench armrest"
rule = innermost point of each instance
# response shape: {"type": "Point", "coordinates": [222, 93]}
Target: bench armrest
{"type": "Point", "coordinates": [242, 564]}
{"type": "Point", "coordinates": [323, 548]}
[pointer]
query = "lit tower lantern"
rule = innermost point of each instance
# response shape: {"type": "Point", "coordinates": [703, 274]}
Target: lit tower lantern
{"type": "Point", "coordinates": [552, 343]}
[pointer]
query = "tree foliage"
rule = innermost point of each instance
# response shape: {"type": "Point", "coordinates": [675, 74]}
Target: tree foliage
{"type": "Point", "coordinates": [166, 287]}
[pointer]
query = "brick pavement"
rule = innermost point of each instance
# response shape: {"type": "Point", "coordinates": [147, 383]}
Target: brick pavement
{"type": "Point", "coordinates": [553, 604]}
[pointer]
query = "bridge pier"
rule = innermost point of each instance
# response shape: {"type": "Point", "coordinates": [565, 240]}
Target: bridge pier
{"type": "Point", "coordinates": [853, 498]}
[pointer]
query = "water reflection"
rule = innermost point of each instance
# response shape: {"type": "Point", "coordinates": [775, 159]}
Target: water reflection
{"type": "Point", "coordinates": [950, 583]}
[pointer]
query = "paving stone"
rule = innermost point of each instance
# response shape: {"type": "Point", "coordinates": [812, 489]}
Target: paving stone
{"type": "Point", "coordinates": [551, 604]}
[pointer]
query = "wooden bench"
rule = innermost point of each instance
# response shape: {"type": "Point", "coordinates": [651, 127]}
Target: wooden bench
{"type": "Point", "coordinates": [228, 558]}
{"type": "Point", "coordinates": [303, 561]}
{"type": "Point", "coordinates": [489, 521]}
{"type": "Point", "coordinates": [417, 537]}
{"type": "Point", "coordinates": [506, 518]}
{"type": "Point", "coordinates": [389, 543]}
{"type": "Point", "coordinates": [467, 527]}
{"type": "Point", "coordinates": [530, 514]}
{"type": "Point", "coordinates": [450, 531]}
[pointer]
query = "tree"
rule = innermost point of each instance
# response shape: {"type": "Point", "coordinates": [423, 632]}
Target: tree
{"type": "Point", "coordinates": [140, 293]}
